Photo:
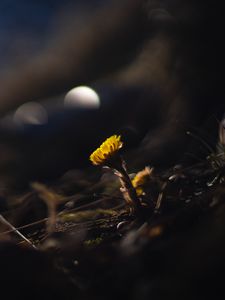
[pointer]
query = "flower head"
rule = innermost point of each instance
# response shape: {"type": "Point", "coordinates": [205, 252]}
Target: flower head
{"type": "Point", "coordinates": [140, 179]}
{"type": "Point", "coordinates": [107, 150]}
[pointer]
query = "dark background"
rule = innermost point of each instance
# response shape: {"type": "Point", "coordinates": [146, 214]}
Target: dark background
{"type": "Point", "coordinates": [157, 66]}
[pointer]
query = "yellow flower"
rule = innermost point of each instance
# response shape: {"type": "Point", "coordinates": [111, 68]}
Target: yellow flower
{"type": "Point", "coordinates": [107, 149]}
{"type": "Point", "coordinates": [140, 179]}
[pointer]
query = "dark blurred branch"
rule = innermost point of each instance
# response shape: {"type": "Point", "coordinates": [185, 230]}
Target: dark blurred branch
{"type": "Point", "coordinates": [101, 45]}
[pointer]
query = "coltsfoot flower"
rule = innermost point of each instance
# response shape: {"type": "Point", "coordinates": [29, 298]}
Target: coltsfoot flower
{"type": "Point", "coordinates": [140, 179]}
{"type": "Point", "coordinates": [108, 155]}
{"type": "Point", "coordinates": [107, 150]}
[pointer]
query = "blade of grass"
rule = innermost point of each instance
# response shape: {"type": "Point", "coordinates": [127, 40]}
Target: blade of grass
{"type": "Point", "coordinates": [4, 221]}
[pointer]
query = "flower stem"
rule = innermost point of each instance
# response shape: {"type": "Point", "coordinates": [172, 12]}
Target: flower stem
{"type": "Point", "coordinates": [127, 189]}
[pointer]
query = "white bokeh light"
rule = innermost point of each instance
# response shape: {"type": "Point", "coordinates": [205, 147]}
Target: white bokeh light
{"type": "Point", "coordinates": [31, 113]}
{"type": "Point", "coordinates": [82, 97]}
